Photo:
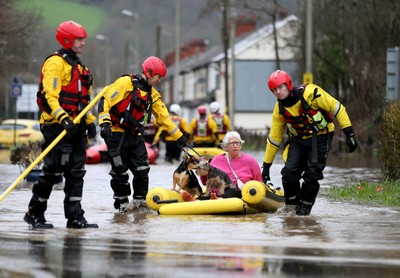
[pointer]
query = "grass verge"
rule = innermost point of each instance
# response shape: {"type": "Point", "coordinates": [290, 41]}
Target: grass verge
{"type": "Point", "coordinates": [379, 194]}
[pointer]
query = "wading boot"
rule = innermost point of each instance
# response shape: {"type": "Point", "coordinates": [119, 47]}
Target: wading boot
{"type": "Point", "coordinates": [138, 203]}
{"type": "Point", "coordinates": [37, 222]}
{"type": "Point", "coordinates": [80, 223]}
{"type": "Point", "coordinates": [121, 205]}
{"type": "Point", "coordinates": [304, 208]}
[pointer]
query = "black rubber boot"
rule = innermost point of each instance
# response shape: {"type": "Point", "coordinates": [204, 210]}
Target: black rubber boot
{"type": "Point", "coordinates": [121, 205]}
{"type": "Point", "coordinates": [303, 208]}
{"type": "Point", "coordinates": [80, 223]}
{"type": "Point", "coordinates": [37, 222]}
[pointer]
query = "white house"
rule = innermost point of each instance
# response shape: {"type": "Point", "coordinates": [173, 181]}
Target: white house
{"type": "Point", "coordinates": [201, 77]}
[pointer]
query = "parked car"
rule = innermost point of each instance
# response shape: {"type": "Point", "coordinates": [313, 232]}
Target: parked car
{"type": "Point", "coordinates": [25, 130]}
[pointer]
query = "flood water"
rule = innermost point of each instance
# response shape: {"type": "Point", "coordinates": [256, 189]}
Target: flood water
{"type": "Point", "coordinates": [338, 239]}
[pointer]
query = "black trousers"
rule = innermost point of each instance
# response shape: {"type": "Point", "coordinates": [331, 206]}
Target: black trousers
{"type": "Point", "coordinates": [67, 157]}
{"type": "Point", "coordinates": [128, 152]}
{"type": "Point", "coordinates": [301, 165]}
{"type": "Point", "coordinates": [172, 151]}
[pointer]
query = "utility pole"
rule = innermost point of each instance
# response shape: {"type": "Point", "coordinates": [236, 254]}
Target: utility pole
{"type": "Point", "coordinates": [308, 76]}
{"type": "Point", "coordinates": [232, 17]}
{"type": "Point", "coordinates": [177, 50]}
{"type": "Point", "coordinates": [225, 37]}
{"type": "Point", "coordinates": [158, 41]}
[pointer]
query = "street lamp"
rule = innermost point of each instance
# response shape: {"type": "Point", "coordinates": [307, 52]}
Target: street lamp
{"type": "Point", "coordinates": [136, 33]}
{"type": "Point", "coordinates": [107, 56]}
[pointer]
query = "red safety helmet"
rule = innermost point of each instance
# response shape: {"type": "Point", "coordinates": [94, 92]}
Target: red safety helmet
{"type": "Point", "coordinates": [202, 110]}
{"type": "Point", "coordinates": [279, 77]}
{"type": "Point", "coordinates": [154, 65]}
{"type": "Point", "coordinates": [69, 30]}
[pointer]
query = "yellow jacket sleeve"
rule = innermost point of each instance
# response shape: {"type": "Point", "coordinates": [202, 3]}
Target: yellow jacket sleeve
{"type": "Point", "coordinates": [227, 122]}
{"type": "Point", "coordinates": [275, 136]}
{"type": "Point", "coordinates": [212, 125]}
{"type": "Point", "coordinates": [157, 137]}
{"type": "Point", "coordinates": [56, 73]}
{"type": "Point", "coordinates": [115, 92]}
{"type": "Point", "coordinates": [161, 114]}
{"type": "Point", "coordinates": [328, 103]}
{"type": "Point", "coordinates": [185, 126]}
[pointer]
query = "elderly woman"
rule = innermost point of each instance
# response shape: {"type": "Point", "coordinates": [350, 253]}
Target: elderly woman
{"type": "Point", "coordinates": [239, 166]}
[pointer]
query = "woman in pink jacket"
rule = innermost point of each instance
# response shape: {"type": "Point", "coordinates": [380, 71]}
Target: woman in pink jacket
{"type": "Point", "coordinates": [239, 166]}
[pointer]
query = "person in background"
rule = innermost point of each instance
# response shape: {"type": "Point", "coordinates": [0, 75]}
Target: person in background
{"type": "Point", "coordinates": [222, 120]}
{"type": "Point", "coordinates": [173, 152]}
{"type": "Point", "coordinates": [203, 129]}
{"type": "Point", "coordinates": [239, 166]}
{"type": "Point", "coordinates": [150, 131]}
{"type": "Point", "coordinates": [127, 105]}
{"type": "Point", "coordinates": [64, 91]}
{"type": "Point", "coordinates": [307, 111]}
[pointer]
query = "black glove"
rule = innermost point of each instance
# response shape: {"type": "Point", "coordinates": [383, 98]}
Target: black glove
{"type": "Point", "coordinates": [265, 172]}
{"type": "Point", "coordinates": [350, 139]}
{"type": "Point", "coordinates": [69, 125]}
{"type": "Point", "coordinates": [182, 142]}
{"type": "Point", "coordinates": [91, 131]}
{"type": "Point", "coordinates": [105, 131]}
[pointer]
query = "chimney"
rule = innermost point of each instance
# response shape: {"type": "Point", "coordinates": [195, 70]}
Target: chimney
{"type": "Point", "coordinates": [189, 49]}
{"type": "Point", "coordinates": [245, 25]}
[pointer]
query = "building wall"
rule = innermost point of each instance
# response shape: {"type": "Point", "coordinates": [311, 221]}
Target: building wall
{"type": "Point", "coordinates": [265, 48]}
{"type": "Point", "coordinates": [256, 58]}
{"type": "Point", "coordinates": [257, 121]}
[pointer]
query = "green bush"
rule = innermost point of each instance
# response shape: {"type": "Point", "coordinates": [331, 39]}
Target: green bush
{"type": "Point", "coordinates": [390, 143]}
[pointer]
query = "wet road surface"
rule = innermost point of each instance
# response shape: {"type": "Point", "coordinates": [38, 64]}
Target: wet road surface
{"type": "Point", "coordinates": [338, 239]}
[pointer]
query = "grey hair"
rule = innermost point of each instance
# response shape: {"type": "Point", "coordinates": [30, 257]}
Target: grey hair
{"type": "Point", "coordinates": [229, 135]}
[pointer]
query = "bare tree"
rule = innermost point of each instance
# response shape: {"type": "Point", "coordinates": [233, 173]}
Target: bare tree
{"type": "Point", "coordinates": [351, 39]}
{"type": "Point", "coordinates": [17, 36]}
{"type": "Point", "coordinates": [273, 10]}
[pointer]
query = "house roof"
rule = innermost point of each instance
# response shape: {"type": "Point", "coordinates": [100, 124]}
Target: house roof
{"type": "Point", "coordinates": [196, 61]}
{"type": "Point", "coordinates": [216, 53]}
{"type": "Point", "coordinates": [255, 37]}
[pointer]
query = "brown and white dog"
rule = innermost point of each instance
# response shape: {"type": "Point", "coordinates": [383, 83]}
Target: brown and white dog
{"type": "Point", "coordinates": [185, 178]}
{"type": "Point", "coordinates": [216, 178]}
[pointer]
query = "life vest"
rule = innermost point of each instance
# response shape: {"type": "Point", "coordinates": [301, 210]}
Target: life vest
{"type": "Point", "coordinates": [308, 120]}
{"type": "Point", "coordinates": [73, 97]}
{"type": "Point", "coordinates": [219, 120]}
{"type": "Point", "coordinates": [202, 128]}
{"type": "Point", "coordinates": [135, 110]}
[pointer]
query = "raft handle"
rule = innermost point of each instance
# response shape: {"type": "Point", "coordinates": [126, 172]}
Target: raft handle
{"type": "Point", "coordinates": [167, 201]}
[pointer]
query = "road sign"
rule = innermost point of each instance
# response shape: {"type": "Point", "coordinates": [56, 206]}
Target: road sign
{"type": "Point", "coordinates": [393, 74]}
{"type": "Point", "coordinates": [27, 102]}
{"type": "Point", "coordinates": [16, 87]}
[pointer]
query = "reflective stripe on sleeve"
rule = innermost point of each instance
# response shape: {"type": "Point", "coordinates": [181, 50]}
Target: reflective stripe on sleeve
{"type": "Point", "coordinates": [276, 144]}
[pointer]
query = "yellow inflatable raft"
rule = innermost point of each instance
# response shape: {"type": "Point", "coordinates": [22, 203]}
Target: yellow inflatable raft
{"type": "Point", "coordinates": [262, 197]}
{"type": "Point", "coordinates": [206, 152]}
{"type": "Point", "coordinates": [256, 197]}
{"type": "Point", "coordinates": [219, 206]}
{"type": "Point", "coordinates": [159, 196]}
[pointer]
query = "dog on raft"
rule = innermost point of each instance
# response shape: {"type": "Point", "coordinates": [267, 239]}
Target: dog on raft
{"type": "Point", "coordinates": [185, 178]}
{"type": "Point", "coordinates": [217, 180]}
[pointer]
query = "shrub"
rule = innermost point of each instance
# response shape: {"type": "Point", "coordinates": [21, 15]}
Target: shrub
{"type": "Point", "coordinates": [24, 154]}
{"type": "Point", "coordinates": [390, 143]}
